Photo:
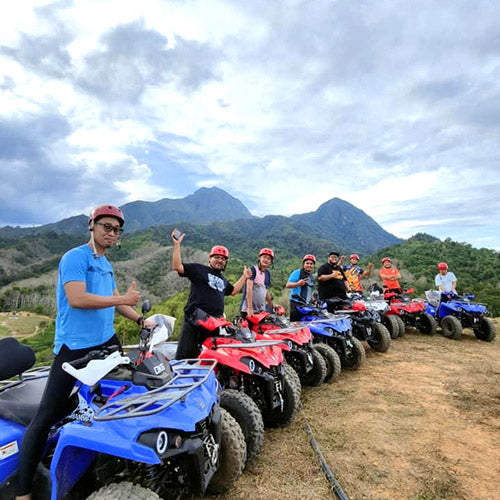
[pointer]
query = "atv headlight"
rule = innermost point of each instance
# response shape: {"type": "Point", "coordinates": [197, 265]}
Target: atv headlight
{"type": "Point", "coordinates": [161, 442]}
{"type": "Point", "coordinates": [290, 344]}
{"type": "Point", "coordinates": [252, 366]}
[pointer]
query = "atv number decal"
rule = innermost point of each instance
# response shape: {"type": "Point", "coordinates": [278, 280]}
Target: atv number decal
{"type": "Point", "coordinates": [159, 368]}
{"type": "Point", "coordinates": [8, 450]}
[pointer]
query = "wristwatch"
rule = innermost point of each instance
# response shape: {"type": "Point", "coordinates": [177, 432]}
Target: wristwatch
{"type": "Point", "coordinates": [139, 320]}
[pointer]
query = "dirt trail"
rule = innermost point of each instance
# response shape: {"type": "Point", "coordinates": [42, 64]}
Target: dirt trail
{"type": "Point", "coordinates": [420, 422]}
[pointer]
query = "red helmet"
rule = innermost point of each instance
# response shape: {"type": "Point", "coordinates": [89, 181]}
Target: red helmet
{"type": "Point", "coordinates": [386, 259]}
{"type": "Point", "coordinates": [267, 251]}
{"type": "Point", "coordinates": [442, 266]}
{"type": "Point", "coordinates": [107, 211]}
{"type": "Point", "coordinates": [354, 256]}
{"type": "Point", "coordinates": [219, 250]}
{"type": "Point", "coordinates": [309, 256]}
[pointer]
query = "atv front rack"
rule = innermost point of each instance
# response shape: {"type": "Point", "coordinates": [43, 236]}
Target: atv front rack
{"type": "Point", "coordinates": [157, 400]}
{"type": "Point", "coordinates": [249, 345]}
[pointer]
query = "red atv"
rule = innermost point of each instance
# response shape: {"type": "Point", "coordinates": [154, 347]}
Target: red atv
{"type": "Point", "coordinates": [411, 311]}
{"type": "Point", "coordinates": [253, 371]}
{"type": "Point", "coordinates": [314, 364]}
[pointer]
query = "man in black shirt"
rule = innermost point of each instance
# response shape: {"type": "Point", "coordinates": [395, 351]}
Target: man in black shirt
{"type": "Point", "coordinates": [208, 289]}
{"type": "Point", "coordinates": [332, 281]}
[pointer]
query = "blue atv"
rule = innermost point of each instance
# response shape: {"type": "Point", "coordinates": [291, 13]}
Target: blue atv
{"type": "Point", "coordinates": [333, 330]}
{"type": "Point", "coordinates": [147, 422]}
{"type": "Point", "coordinates": [456, 312]}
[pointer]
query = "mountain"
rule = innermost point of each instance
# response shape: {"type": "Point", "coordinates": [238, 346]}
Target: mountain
{"type": "Point", "coordinates": [336, 225]}
{"type": "Point", "coordinates": [204, 206]}
{"type": "Point", "coordinates": [354, 229]}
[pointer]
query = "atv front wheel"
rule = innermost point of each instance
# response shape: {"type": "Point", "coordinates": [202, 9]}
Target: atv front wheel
{"type": "Point", "coordinates": [486, 330]}
{"type": "Point", "coordinates": [294, 380]}
{"type": "Point", "coordinates": [452, 328]}
{"type": "Point", "coordinates": [332, 360]}
{"type": "Point", "coordinates": [391, 323]}
{"type": "Point", "coordinates": [426, 324]}
{"type": "Point", "coordinates": [246, 412]}
{"type": "Point", "coordinates": [356, 357]}
{"type": "Point", "coordinates": [402, 326]}
{"type": "Point", "coordinates": [380, 339]}
{"type": "Point", "coordinates": [291, 403]}
{"type": "Point", "coordinates": [123, 491]}
{"type": "Point", "coordinates": [232, 454]}
{"type": "Point", "coordinates": [317, 374]}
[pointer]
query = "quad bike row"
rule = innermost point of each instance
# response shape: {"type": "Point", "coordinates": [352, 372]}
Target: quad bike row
{"type": "Point", "coordinates": [143, 425]}
{"type": "Point", "coordinates": [447, 310]}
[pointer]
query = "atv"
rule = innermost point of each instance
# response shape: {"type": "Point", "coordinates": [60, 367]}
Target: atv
{"type": "Point", "coordinates": [411, 311]}
{"type": "Point", "coordinates": [375, 302]}
{"type": "Point", "coordinates": [366, 324]}
{"type": "Point", "coordinates": [258, 386]}
{"type": "Point", "coordinates": [456, 312]}
{"type": "Point", "coordinates": [331, 330]}
{"type": "Point", "coordinates": [147, 421]}
{"type": "Point", "coordinates": [312, 368]}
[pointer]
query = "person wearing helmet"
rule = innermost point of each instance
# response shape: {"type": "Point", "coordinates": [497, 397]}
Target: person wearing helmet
{"type": "Point", "coordinates": [445, 280]}
{"type": "Point", "coordinates": [256, 290]}
{"type": "Point", "coordinates": [208, 289]}
{"type": "Point", "coordinates": [390, 275]}
{"type": "Point", "coordinates": [354, 273]}
{"type": "Point", "coordinates": [332, 281]}
{"type": "Point", "coordinates": [86, 298]}
{"type": "Point", "coordinates": [301, 283]}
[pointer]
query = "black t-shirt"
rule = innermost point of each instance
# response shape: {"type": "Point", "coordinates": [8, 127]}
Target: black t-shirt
{"type": "Point", "coordinates": [334, 287]}
{"type": "Point", "coordinates": [208, 288]}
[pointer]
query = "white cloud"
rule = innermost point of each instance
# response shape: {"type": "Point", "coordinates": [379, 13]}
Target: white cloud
{"type": "Point", "coordinates": [288, 103]}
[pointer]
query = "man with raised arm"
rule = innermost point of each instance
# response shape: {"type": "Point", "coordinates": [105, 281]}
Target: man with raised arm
{"type": "Point", "coordinates": [208, 289]}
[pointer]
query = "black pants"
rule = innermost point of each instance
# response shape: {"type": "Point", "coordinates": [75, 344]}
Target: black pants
{"type": "Point", "coordinates": [294, 314]}
{"type": "Point", "coordinates": [190, 340]}
{"type": "Point", "coordinates": [53, 407]}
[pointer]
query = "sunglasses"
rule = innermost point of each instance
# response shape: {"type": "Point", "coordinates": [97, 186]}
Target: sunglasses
{"type": "Point", "coordinates": [109, 227]}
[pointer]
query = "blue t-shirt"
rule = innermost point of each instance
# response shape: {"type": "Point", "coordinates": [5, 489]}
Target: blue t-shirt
{"type": "Point", "coordinates": [303, 291]}
{"type": "Point", "coordinates": [82, 328]}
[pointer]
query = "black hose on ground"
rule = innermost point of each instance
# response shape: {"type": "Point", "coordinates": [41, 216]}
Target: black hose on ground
{"type": "Point", "coordinates": [330, 476]}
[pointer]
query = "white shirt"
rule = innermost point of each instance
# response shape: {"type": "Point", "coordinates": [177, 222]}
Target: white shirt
{"type": "Point", "coordinates": [445, 281]}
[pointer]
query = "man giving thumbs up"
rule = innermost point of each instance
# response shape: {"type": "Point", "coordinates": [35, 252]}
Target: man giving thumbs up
{"type": "Point", "coordinates": [86, 296]}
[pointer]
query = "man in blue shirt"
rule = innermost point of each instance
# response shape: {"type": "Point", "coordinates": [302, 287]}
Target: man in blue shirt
{"type": "Point", "coordinates": [300, 283]}
{"type": "Point", "coordinates": [86, 297]}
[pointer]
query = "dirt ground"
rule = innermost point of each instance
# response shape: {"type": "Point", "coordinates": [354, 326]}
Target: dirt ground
{"type": "Point", "coordinates": [420, 422]}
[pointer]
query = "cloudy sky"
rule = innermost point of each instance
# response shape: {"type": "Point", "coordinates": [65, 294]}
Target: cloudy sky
{"type": "Point", "coordinates": [392, 105]}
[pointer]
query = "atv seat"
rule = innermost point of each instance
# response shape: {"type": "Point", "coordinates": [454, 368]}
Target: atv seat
{"type": "Point", "coordinates": [16, 358]}
{"type": "Point", "coordinates": [19, 402]}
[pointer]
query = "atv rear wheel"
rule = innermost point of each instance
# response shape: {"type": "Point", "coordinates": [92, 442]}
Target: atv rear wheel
{"type": "Point", "coordinates": [354, 360]}
{"type": "Point", "coordinates": [452, 328]}
{"type": "Point", "coordinates": [291, 403]}
{"type": "Point", "coordinates": [391, 323]}
{"type": "Point", "coordinates": [123, 491]}
{"type": "Point", "coordinates": [426, 324]}
{"type": "Point", "coordinates": [332, 360]}
{"type": "Point", "coordinates": [402, 326]}
{"type": "Point", "coordinates": [486, 330]}
{"type": "Point", "coordinates": [381, 338]}
{"type": "Point", "coordinates": [317, 374]}
{"type": "Point", "coordinates": [246, 412]}
{"type": "Point", "coordinates": [232, 454]}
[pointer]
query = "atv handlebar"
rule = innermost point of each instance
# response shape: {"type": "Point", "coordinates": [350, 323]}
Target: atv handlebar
{"type": "Point", "coordinates": [97, 354]}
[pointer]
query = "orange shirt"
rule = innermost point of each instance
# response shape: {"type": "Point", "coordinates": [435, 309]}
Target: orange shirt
{"type": "Point", "coordinates": [387, 275]}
